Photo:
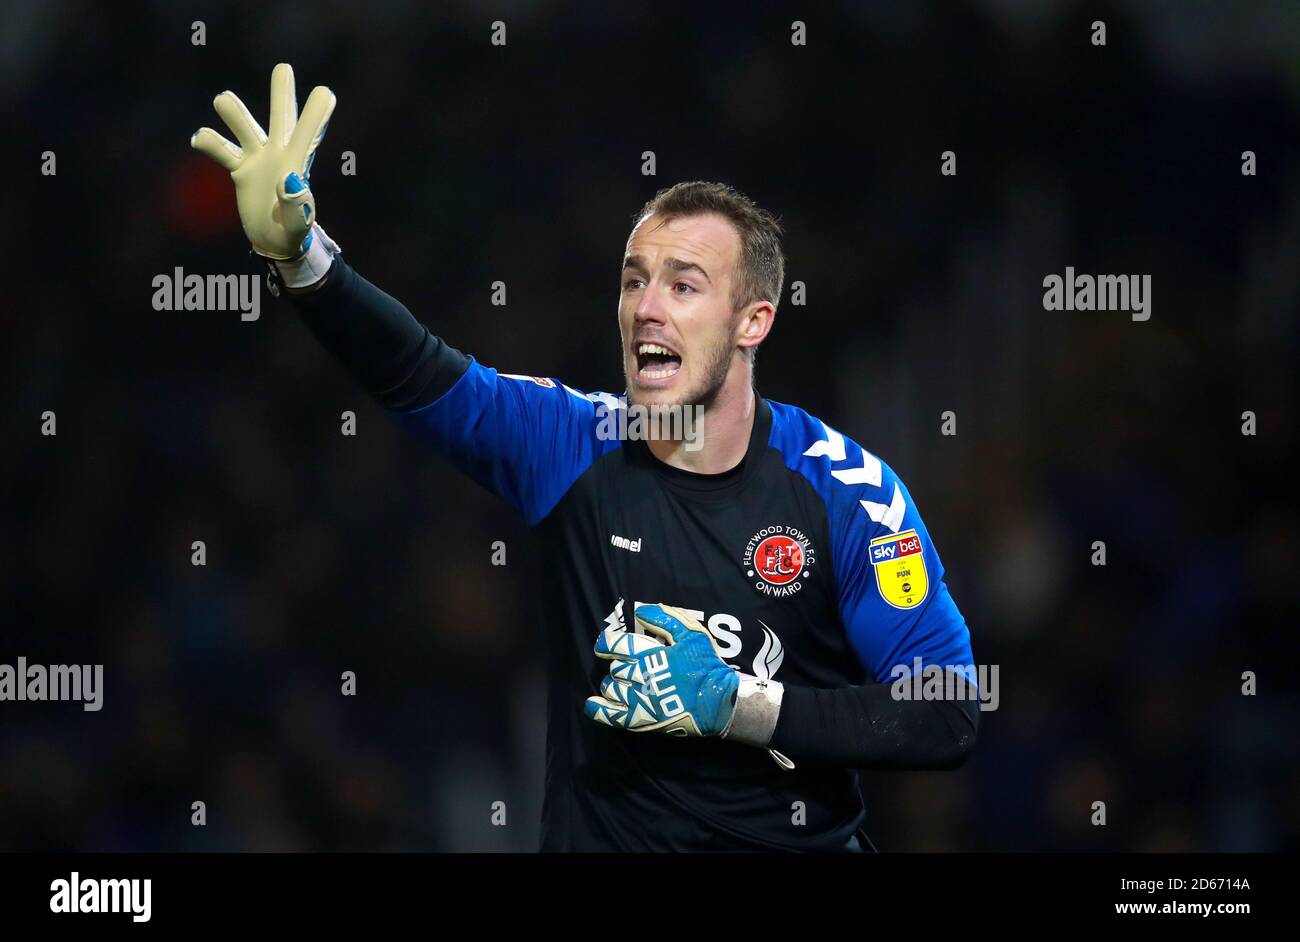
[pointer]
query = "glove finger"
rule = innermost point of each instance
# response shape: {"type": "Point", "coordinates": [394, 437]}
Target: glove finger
{"type": "Point", "coordinates": [311, 126]}
{"type": "Point", "coordinates": [655, 620]}
{"type": "Point", "coordinates": [629, 671]}
{"type": "Point", "coordinates": [623, 691]}
{"type": "Point", "coordinates": [635, 698]}
{"type": "Point", "coordinates": [676, 623]}
{"type": "Point", "coordinates": [284, 104]}
{"type": "Point", "coordinates": [209, 142]}
{"type": "Point", "coordinates": [639, 715]}
{"type": "Point", "coordinates": [614, 690]}
{"type": "Point", "coordinates": [622, 645]}
{"type": "Point", "coordinates": [693, 628]}
{"type": "Point", "coordinates": [633, 716]}
{"type": "Point", "coordinates": [247, 131]}
{"type": "Point", "coordinates": [605, 711]}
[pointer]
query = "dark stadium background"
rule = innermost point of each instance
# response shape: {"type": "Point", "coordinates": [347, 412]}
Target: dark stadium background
{"type": "Point", "coordinates": [522, 164]}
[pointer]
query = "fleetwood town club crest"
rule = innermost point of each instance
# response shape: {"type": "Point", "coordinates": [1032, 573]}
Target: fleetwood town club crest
{"type": "Point", "coordinates": [900, 569]}
{"type": "Point", "coordinates": [777, 560]}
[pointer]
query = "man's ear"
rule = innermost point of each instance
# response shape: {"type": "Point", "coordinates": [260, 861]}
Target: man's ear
{"type": "Point", "coordinates": [755, 323]}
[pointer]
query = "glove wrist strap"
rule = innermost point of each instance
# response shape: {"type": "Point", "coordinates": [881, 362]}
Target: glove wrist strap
{"type": "Point", "coordinates": [313, 264]}
{"type": "Point", "coordinates": [758, 704]}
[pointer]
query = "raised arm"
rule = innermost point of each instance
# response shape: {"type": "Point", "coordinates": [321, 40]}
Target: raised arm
{"type": "Point", "coordinates": [527, 440]}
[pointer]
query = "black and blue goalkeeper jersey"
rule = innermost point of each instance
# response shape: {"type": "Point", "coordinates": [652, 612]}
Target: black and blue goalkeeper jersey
{"type": "Point", "coordinates": [808, 562]}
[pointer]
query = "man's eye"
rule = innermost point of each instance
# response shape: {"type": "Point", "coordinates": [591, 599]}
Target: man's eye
{"type": "Point", "coordinates": [631, 283]}
{"type": "Point", "coordinates": [681, 284]}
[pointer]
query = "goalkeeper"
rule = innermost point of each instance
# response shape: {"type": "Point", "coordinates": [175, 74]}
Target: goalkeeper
{"type": "Point", "coordinates": [727, 616]}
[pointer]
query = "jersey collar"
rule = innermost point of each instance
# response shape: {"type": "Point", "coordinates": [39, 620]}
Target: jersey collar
{"type": "Point", "coordinates": [724, 482]}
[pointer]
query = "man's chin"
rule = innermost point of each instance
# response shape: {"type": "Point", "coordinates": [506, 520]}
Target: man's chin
{"type": "Point", "coordinates": [657, 398]}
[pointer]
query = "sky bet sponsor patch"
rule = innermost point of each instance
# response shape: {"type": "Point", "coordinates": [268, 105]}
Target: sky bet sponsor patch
{"type": "Point", "coordinates": [900, 569]}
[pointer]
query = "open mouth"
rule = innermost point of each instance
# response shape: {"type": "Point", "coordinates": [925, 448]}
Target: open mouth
{"type": "Point", "coordinates": [655, 361]}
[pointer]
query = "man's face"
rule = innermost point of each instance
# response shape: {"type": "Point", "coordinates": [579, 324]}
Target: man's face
{"type": "Point", "coordinates": [675, 315]}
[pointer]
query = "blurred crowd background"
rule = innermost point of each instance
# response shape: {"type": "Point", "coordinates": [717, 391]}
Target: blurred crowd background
{"type": "Point", "coordinates": [477, 163]}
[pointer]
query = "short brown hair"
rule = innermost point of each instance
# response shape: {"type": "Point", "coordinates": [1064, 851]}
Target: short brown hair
{"type": "Point", "coordinates": [762, 263]}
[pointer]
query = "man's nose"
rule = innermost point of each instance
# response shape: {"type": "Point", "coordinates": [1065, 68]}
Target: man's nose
{"type": "Point", "coordinates": [648, 310]}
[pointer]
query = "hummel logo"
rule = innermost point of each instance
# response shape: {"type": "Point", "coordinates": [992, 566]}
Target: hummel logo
{"type": "Point", "coordinates": [622, 542]}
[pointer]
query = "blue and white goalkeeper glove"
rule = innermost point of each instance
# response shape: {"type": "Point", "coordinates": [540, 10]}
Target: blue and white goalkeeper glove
{"type": "Point", "coordinates": [669, 679]}
{"type": "Point", "coordinates": [672, 680]}
{"type": "Point", "coordinates": [270, 170]}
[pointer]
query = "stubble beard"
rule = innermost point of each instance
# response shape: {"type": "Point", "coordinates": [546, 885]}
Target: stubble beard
{"type": "Point", "coordinates": [717, 365]}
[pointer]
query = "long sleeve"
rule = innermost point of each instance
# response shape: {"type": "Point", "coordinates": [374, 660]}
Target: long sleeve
{"type": "Point", "coordinates": [524, 438]}
{"type": "Point", "coordinates": [866, 727]}
{"type": "Point", "coordinates": [377, 340]}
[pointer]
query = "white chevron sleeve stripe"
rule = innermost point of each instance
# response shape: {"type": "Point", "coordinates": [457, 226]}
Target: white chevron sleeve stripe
{"type": "Point", "coordinates": [891, 515]}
